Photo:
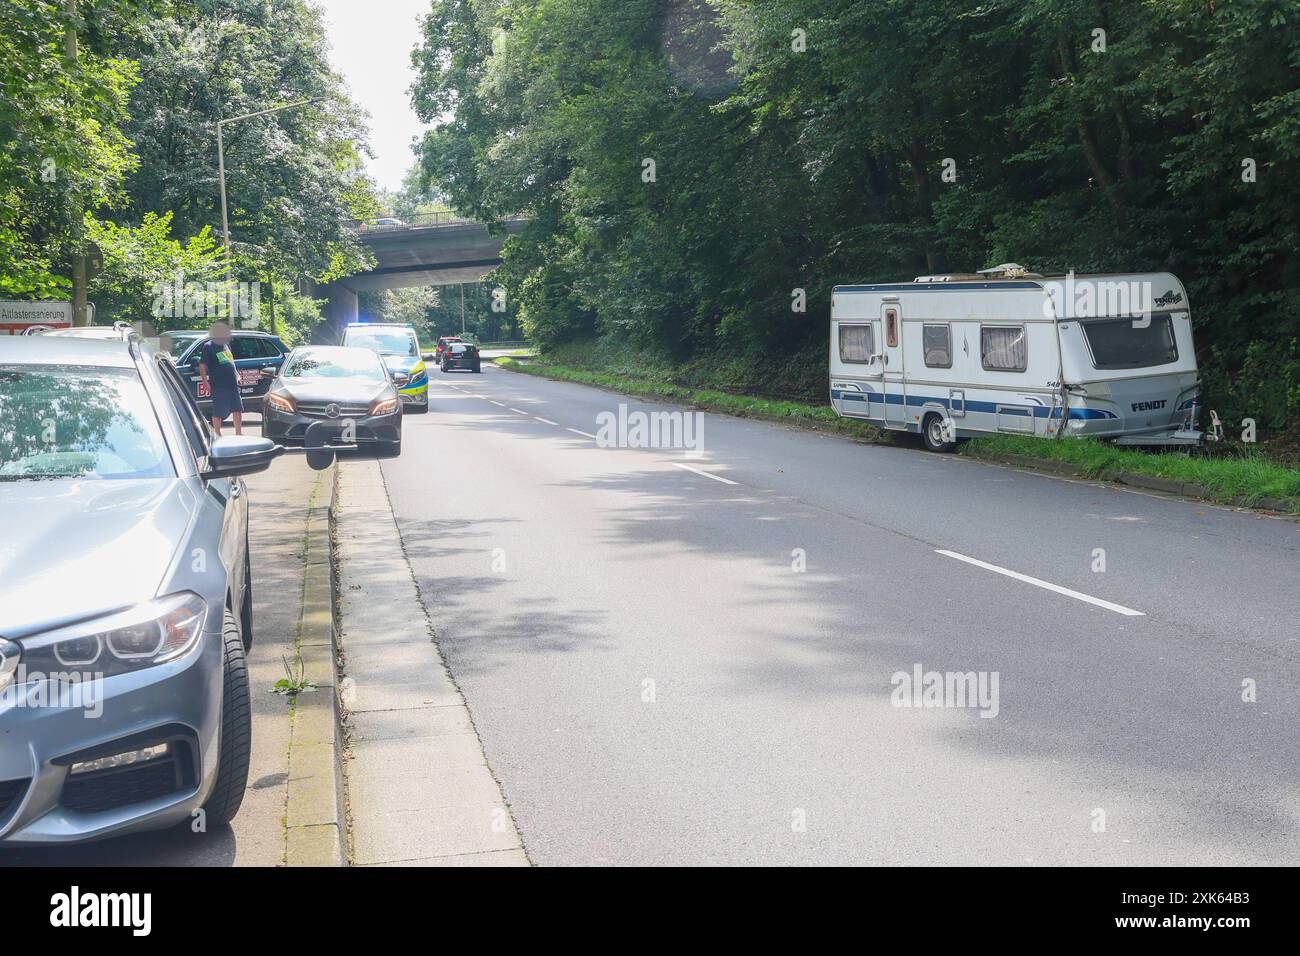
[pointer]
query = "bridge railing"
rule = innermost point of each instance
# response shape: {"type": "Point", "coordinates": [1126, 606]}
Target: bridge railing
{"type": "Point", "coordinates": [421, 220]}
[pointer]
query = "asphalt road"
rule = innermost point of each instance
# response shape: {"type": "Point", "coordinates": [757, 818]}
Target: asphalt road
{"type": "Point", "coordinates": [656, 681]}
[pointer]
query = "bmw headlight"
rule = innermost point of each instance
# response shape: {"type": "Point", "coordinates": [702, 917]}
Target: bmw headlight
{"type": "Point", "coordinates": [152, 633]}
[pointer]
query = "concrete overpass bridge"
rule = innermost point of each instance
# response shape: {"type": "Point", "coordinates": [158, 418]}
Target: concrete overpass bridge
{"type": "Point", "coordinates": [431, 249]}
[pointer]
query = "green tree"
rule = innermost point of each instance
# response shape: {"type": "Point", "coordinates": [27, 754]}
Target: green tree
{"type": "Point", "coordinates": [292, 178]}
{"type": "Point", "coordinates": [62, 149]}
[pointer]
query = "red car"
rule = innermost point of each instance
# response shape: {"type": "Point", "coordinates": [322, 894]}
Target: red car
{"type": "Point", "coordinates": [443, 342]}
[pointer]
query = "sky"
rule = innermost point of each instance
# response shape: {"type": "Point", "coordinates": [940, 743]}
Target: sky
{"type": "Point", "coordinates": [371, 44]}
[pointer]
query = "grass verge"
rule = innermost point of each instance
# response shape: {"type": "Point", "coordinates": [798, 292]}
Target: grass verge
{"type": "Point", "coordinates": [1245, 479]}
{"type": "Point", "coordinates": [1240, 480]}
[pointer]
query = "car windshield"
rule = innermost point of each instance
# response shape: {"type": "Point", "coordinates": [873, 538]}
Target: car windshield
{"type": "Point", "coordinates": [177, 344]}
{"type": "Point", "coordinates": [74, 422]}
{"type": "Point", "coordinates": [336, 363]}
{"type": "Point", "coordinates": [1131, 343]}
{"type": "Point", "coordinates": [390, 342]}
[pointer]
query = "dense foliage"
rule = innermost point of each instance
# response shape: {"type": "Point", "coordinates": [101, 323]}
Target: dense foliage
{"type": "Point", "coordinates": [119, 146]}
{"type": "Point", "coordinates": [797, 144]}
{"type": "Point", "coordinates": [62, 149]}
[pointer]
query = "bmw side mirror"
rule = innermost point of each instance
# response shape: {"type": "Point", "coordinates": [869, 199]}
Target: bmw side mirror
{"type": "Point", "coordinates": [234, 455]}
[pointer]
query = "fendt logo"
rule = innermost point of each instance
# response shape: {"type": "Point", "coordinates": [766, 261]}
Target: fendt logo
{"type": "Point", "coordinates": [1149, 406]}
{"type": "Point", "coordinates": [1170, 298]}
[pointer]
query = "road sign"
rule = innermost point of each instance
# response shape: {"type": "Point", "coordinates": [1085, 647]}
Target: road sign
{"type": "Point", "coordinates": [22, 318]}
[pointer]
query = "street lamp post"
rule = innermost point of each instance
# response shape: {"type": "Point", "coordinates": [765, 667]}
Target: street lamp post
{"type": "Point", "coordinates": [221, 162]}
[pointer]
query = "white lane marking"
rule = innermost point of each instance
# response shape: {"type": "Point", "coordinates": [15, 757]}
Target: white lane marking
{"type": "Point", "coordinates": [1117, 608]}
{"type": "Point", "coordinates": [518, 411]}
{"type": "Point", "coordinates": [499, 404]}
{"type": "Point", "coordinates": [546, 420]}
{"type": "Point", "coordinates": [583, 434]}
{"type": "Point", "coordinates": [725, 481]}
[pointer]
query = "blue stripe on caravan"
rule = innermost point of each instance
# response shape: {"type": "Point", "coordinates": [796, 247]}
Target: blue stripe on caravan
{"type": "Point", "coordinates": [1037, 411]}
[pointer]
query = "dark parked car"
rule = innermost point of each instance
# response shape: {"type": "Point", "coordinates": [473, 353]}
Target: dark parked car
{"type": "Point", "coordinates": [104, 516]}
{"type": "Point", "coordinates": [253, 351]}
{"type": "Point", "coordinates": [461, 355]}
{"type": "Point", "coordinates": [347, 387]}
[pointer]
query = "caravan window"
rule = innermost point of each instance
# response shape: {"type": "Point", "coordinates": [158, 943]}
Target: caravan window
{"type": "Point", "coordinates": [855, 344]}
{"type": "Point", "coordinates": [1002, 348]}
{"type": "Point", "coordinates": [1120, 343]}
{"type": "Point", "coordinates": [936, 345]}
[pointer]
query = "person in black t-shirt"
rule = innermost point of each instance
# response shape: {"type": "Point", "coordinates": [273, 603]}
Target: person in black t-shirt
{"type": "Point", "coordinates": [217, 369]}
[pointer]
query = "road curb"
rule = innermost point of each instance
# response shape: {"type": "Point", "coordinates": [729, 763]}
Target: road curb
{"type": "Point", "coordinates": [418, 787]}
{"type": "Point", "coordinates": [314, 806]}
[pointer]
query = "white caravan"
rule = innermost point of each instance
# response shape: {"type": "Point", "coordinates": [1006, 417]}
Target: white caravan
{"type": "Point", "coordinates": [953, 357]}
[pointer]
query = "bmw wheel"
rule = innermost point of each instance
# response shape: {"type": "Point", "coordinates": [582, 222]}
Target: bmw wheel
{"type": "Point", "coordinates": [235, 742]}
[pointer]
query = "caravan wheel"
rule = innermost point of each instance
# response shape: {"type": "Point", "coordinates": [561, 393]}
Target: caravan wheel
{"type": "Point", "coordinates": [932, 432]}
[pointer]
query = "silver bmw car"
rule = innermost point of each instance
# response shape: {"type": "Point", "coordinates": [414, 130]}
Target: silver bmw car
{"type": "Point", "coordinates": [125, 595]}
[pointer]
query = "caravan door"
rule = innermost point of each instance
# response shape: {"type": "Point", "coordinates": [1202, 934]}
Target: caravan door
{"type": "Point", "coordinates": [892, 383]}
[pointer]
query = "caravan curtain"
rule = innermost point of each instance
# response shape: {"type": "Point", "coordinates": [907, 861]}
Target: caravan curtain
{"type": "Point", "coordinates": [855, 343]}
{"type": "Point", "coordinates": [1002, 348]}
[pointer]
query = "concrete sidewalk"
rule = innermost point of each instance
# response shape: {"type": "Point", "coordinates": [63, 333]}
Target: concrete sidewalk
{"type": "Point", "coordinates": [419, 788]}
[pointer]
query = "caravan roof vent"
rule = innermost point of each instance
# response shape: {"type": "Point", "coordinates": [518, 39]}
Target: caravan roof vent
{"type": "Point", "coordinates": [1008, 270]}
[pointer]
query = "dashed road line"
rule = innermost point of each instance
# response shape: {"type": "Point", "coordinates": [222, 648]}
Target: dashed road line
{"type": "Point", "coordinates": [583, 434]}
{"type": "Point", "coordinates": [1047, 585]}
{"type": "Point", "coordinates": [725, 481]}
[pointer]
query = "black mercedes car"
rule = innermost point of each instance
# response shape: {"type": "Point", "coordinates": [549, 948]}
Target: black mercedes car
{"type": "Point", "coordinates": [348, 387]}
